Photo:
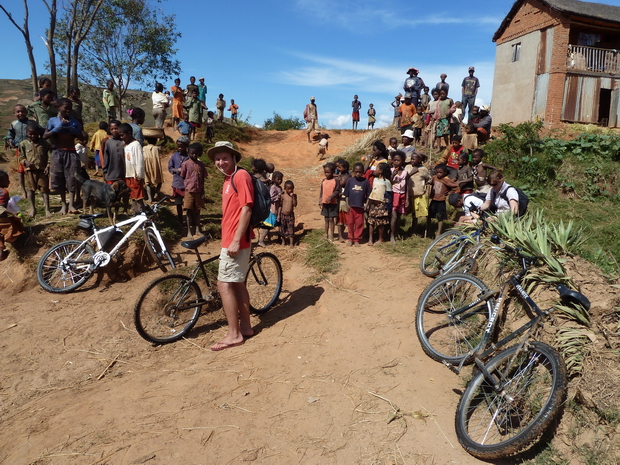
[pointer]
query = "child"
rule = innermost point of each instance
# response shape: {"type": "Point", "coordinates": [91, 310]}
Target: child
{"type": "Point", "coordinates": [220, 104]}
{"type": "Point", "coordinates": [134, 166]}
{"type": "Point", "coordinates": [355, 114]}
{"type": "Point", "coordinates": [43, 109]}
{"type": "Point", "coordinates": [64, 161]}
{"type": "Point", "coordinates": [425, 99]}
{"type": "Point", "coordinates": [392, 146]}
{"type": "Point", "coordinates": [323, 146]}
{"type": "Point", "coordinates": [286, 213]}
{"type": "Point", "coordinates": [270, 170]}
{"type": "Point", "coordinates": [113, 155]}
{"type": "Point", "coordinates": [356, 191]}
{"type": "Point", "coordinates": [153, 176]}
{"type": "Point", "coordinates": [451, 156]}
{"type": "Point", "coordinates": [74, 96]}
{"type": "Point", "coordinates": [417, 184]}
{"type": "Point", "coordinates": [380, 196]}
{"type": "Point", "coordinates": [34, 156]}
{"type": "Point", "coordinates": [10, 226]}
{"type": "Point", "coordinates": [259, 170]}
{"type": "Point", "coordinates": [406, 146]}
{"type": "Point", "coordinates": [177, 103]}
{"type": "Point", "coordinates": [418, 125]}
{"type": "Point", "coordinates": [470, 205]}
{"type": "Point", "coordinates": [82, 153]}
{"type": "Point", "coordinates": [210, 123]}
{"type": "Point", "coordinates": [474, 116]}
{"type": "Point", "coordinates": [191, 87]}
{"type": "Point", "coordinates": [110, 100]}
{"type": "Point", "coordinates": [194, 173]}
{"type": "Point", "coordinates": [429, 119]}
{"type": "Point", "coordinates": [17, 134]}
{"type": "Point", "coordinates": [233, 108]}
{"type": "Point", "coordinates": [342, 168]}
{"type": "Point", "coordinates": [457, 119]}
{"type": "Point", "coordinates": [195, 107]}
{"type": "Point", "coordinates": [400, 200]}
{"type": "Point", "coordinates": [178, 184]}
{"type": "Point", "coordinates": [328, 199]}
{"type": "Point", "coordinates": [185, 127]}
{"type": "Point", "coordinates": [275, 192]}
{"type": "Point", "coordinates": [95, 144]}
{"type": "Point", "coordinates": [137, 120]}
{"type": "Point", "coordinates": [470, 138]}
{"type": "Point", "coordinates": [442, 186]}
{"type": "Point", "coordinates": [465, 175]}
{"type": "Point", "coordinates": [481, 171]}
{"type": "Point", "coordinates": [372, 116]}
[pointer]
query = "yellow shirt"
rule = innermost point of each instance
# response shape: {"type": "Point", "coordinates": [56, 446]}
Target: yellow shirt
{"type": "Point", "coordinates": [95, 143]}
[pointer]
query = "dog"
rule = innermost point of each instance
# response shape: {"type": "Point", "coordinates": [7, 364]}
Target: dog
{"type": "Point", "coordinates": [108, 194]}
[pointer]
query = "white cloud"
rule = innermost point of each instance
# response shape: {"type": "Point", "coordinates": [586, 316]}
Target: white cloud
{"type": "Point", "coordinates": [339, 122]}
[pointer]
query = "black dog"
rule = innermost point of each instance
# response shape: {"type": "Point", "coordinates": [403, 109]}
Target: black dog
{"type": "Point", "coordinates": [108, 194]}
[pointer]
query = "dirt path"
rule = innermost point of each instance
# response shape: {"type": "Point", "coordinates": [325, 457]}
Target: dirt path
{"type": "Point", "coordinates": [314, 386]}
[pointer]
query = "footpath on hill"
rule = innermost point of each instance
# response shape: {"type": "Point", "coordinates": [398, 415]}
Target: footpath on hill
{"type": "Point", "coordinates": [334, 375]}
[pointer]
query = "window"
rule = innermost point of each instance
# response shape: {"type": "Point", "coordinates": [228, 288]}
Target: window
{"type": "Point", "coordinates": [516, 52]}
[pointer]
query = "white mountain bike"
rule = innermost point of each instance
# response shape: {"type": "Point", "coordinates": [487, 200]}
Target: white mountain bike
{"type": "Point", "coordinates": [69, 264]}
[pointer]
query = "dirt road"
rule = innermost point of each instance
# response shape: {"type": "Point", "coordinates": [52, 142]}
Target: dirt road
{"type": "Point", "coordinates": [317, 384]}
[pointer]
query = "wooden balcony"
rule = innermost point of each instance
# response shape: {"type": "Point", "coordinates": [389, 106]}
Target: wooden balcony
{"type": "Point", "coordinates": [594, 60]}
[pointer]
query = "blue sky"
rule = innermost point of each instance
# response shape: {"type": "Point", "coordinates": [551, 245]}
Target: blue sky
{"type": "Point", "coordinates": [272, 56]}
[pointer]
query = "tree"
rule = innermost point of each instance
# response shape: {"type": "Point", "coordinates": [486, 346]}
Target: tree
{"type": "Point", "coordinates": [283, 124]}
{"type": "Point", "coordinates": [131, 42]}
{"type": "Point", "coordinates": [26, 33]}
{"type": "Point", "coordinates": [51, 8]}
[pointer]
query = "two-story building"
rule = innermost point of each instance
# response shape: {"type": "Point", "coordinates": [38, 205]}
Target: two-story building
{"type": "Point", "coordinates": [559, 61]}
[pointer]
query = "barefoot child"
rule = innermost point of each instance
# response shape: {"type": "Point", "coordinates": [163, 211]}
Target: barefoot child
{"type": "Point", "coordinates": [194, 173]}
{"type": "Point", "coordinates": [400, 199]}
{"type": "Point", "coordinates": [328, 199]}
{"type": "Point", "coordinates": [380, 196]}
{"type": "Point", "coordinates": [134, 166]}
{"type": "Point", "coordinates": [323, 146]}
{"type": "Point", "coordinates": [17, 134]}
{"type": "Point", "coordinates": [64, 161]}
{"type": "Point", "coordinates": [275, 192]}
{"type": "Point", "coordinates": [174, 168]}
{"type": "Point", "coordinates": [34, 156]}
{"type": "Point", "coordinates": [465, 175]}
{"type": "Point", "coordinates": [356, 192]}
{"type": "Point", "coordinates": [442, 186]}
{"type": "Point", "coordinates": [418, 182]}
{"type": "Point", "coordinates": [481, 171]}
{"type": "Point", "coordinates": [286, 213]}
{"type": "Point", "coordinates": [210, 123]}
{"type": "Point", "coordinates": [95, 144]}
{"type": "Point", "coordinates": [342, 168]}
{"type": "Point", "coordinates": [10, 226]}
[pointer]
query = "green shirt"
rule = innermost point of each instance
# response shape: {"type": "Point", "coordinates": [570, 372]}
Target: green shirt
{"type": "Point", "coordinates": [110, 99]}
{"type": "Point", "coordinates": [36, 154]}
{"type": "Point", "coordinates": [195, 110]}
{"type": "Point", "coordinates": [42, 114]}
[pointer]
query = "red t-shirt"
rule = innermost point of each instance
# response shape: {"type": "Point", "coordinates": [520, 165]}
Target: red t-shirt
{"type": "Point", "coordinates": [232, 202]}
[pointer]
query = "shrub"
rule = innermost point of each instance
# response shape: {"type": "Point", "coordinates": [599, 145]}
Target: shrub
{"type": "Point", "coordinates": [283, 124]}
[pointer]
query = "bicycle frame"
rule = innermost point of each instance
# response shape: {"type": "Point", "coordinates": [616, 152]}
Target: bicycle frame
{"type": "Point", "coordinates": [462, 240]}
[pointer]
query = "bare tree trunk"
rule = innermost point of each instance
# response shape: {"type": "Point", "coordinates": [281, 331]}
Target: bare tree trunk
{"type": "Point", "coordinates": [26, 33]}
{"type": "Point", "coordinates": [68, 63]}
{"type": "Point", "coordinates": [51, 7]}
{"type": "Point", "coordinates": [74, 65]}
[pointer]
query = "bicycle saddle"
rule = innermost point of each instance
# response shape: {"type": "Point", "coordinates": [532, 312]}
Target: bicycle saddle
{"type": "Point", "coordinates": [570, 297]}
{"type": "Point", "coordinates": [195, 243]}
{"type": "Point", "coordinates": [96, 215]}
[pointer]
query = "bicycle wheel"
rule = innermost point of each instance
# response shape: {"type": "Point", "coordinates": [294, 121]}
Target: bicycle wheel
{"type": "Point", "coordinates": [160, 254]}
{"type": "Point", "coordinates": [503, 421]}
{"type": "Point", "coordinates": [448, 329]}
{"type": "Point", "coordinates": [168, 308]}
{"type": "Point", "coordinates": [65, 267]}
{"type": "Point", "coordinates": [264, 282]}
{"type": "Point", "coordinates": [441, 252]}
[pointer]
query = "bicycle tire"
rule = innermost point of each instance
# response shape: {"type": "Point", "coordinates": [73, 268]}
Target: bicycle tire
{"type": "Point", "coordinates": [159, 255]}
{"type": "Point", "coordinates": [443, 336]}
{"type": "Point", "coordinates": [441, 251]}
{"type": "Point", "coordinates": [53, 276]}
{"type": "Point", "coordinates": [535, 385]}
{"type": "Point", "coordinates": [264, 282]}
{"type": "Point", "coordinates": [157, 315]}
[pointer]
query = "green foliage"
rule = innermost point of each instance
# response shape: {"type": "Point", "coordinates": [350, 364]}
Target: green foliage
{"type": "Point", "coordinates": [321, 254]}
{"type": "Point", "coordinates": [278, 123]}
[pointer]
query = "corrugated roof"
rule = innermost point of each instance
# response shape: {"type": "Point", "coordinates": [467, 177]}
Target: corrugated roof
{"type": "Point", "coordinates": [598, 11]}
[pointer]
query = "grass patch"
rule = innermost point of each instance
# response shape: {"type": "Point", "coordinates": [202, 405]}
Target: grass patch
{"type": "Point", "coordinates": [321, 254]}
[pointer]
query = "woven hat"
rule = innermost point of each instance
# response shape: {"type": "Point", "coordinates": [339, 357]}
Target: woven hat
{"type": "Point", "coordinates": [415, 70]}
{"type": "Point", "coordinates": [223, 146]}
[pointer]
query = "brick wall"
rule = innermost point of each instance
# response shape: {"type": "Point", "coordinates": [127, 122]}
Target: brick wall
{"type": "Point", "coordinates": [557, 76]}
{"type": "Point", "coordinates": [532, 16]}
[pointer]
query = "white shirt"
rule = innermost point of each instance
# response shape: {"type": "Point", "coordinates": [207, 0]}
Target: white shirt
{"type": "Point", "coordinates": [471, 202]}
{"type": "Point", "coordinates": [160, 100]}
{"type": "Point", "coordinates": [500, 203]}
{"type": "Point", "coordinates": [134, 161]}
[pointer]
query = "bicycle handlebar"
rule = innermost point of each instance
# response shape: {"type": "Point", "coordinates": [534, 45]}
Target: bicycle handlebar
{"type": "Point", "coordinates": [527, 259]}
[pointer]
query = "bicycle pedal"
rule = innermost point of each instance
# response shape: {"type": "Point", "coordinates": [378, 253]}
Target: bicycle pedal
{"type": "Point", "coordinates": [209, 297]}
{"type": "Point", "coordinates": [451, 367]}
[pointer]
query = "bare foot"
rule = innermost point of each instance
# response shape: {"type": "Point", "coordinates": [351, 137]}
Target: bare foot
{"type": "Point", "coordinates": [393, 241]}
{"type": "Point", "coordinates": [357, 244]}
{"type": "Point", "coordinates": [370, 244]}
{"type": "Point", "coordinates": [349, 243]}
{"type": "Point", "coordinates": [378, 243]}
{"type": "Point", "coordinates": [63, 210]}
{"type": "Point", "coordinates": [31, 213]}
{"type": "Point", "coordinates": [222, 345]}
{"type": "Point", "coordinates": [48, 214]}
{"type": "Point", "coordinates": [261, 244]}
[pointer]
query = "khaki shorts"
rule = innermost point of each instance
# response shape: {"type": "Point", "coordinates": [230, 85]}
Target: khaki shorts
{"type": "Point", "coordinates": [37, 180]}
{"type": "Point", "coordinates": [234, 269]}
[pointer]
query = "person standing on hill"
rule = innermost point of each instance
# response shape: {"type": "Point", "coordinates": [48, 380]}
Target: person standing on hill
{"type": "Point", "coordinates": [220, 105]}
{"type": "Point", "coordinates": [202, 91]}
{"type": "Point", "coordinates": [110, 101]}
{"type": "Point", "coordinates": [233, 109]}
{"type": "Point", "coordinates": [356, 105]}
{"type": "Point", "coordinates": [191, 87]}
{"type": "Point", "coordinates": [177, 102]}
{"type": "Point", "coordinates": [311, 115]}
{"type": "Point", "coordinates": [237, 202]}
{"type": "Point", "coordinates": [413, 85]}
{"type": "Point", "coordinates": [443, 85]}
{"type": "Point", "coordinates": [469, 89]}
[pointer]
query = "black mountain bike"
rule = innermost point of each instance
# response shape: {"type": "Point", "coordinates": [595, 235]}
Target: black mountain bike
{"type": "Point", "coordinates": [515, 394]}
{"type": "Point", "coordinates": [170, 306]}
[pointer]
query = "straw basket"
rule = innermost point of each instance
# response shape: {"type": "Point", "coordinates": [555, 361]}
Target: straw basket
{"type": "Point", "coordinates": [155, 133]}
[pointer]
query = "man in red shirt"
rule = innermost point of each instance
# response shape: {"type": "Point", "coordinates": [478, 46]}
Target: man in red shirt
{"type": "Point", "coordinates": [237, 205]}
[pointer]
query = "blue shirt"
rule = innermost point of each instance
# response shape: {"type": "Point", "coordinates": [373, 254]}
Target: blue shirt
{"type": "Point", "coordinates": [56, 126]}
{"type": "Point", "coordinates": [357, 191]}
{"type": "Point", "coordinates": [185, 128]}
{"type": "Point", "coordinates": [174, 167]}
{"type": "Point", "coordinates": [202, 93]}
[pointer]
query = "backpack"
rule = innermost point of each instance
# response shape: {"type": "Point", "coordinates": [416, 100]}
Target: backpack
{"type": "Point", "coordinates": [262, 200]}
{"type": "Point", "coordinates": [523, 200]}
{"type": "Point", "coordinates": [480, 195]}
